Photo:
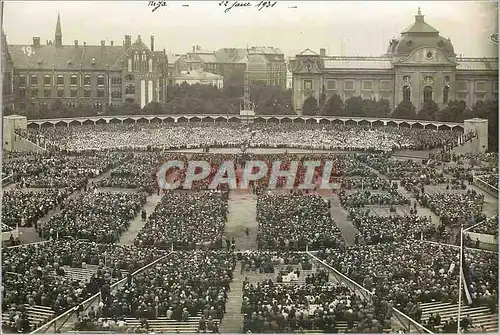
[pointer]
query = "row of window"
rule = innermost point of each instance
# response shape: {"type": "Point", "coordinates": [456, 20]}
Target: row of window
{"type": "Point", "coordinates": [480, 86]}
{"type": "Point", "coordinates": [97, 105]}
{"type": "Point", "coordinates": [47, 80]}
{"type": "Point", "coordinates": [87, 93]}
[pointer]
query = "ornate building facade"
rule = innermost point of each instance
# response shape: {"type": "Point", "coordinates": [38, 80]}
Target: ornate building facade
{"type": "Point", "coordinates": [7, 77]}
{"type": "Point", "coordinates": [95, 75]}
{"type": "Point", "coordinates": [419, 66]}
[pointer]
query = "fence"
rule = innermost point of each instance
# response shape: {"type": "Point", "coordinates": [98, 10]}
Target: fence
{"type": "Point", "coordinates": [57, 323]}
{"type": "Point", "coordinates": [410, 325]}
{"type": "Point", "coordinates": [485, 186]}
{"type": "Point", "coordinates": [8, 180]}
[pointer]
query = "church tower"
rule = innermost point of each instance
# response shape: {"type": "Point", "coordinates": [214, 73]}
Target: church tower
{"type": "Point", "coordinates": [58, 34]}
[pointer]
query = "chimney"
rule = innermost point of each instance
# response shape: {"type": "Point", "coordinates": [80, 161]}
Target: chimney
{"type": "Point", "coordinates": [139, 38]}
{"type": "Point", "coordinates": [84, 44]}
{"type": "Point", "coordinates": [76, 43]}
{"type": "Point", "coordinates": [36, 41]}
{"type": "Point", "coordinates": [152, 43]}
{"type": "Point", "coordinates": [111, 43]}
{"type": "Point", "coordinates": [322, 52]}
{"type": "Point", "coordinates": [103, 43]}
{"type": "Point", "coordinates": [128, 41]}
{"type": "Point", "coordinates": [194, 49]}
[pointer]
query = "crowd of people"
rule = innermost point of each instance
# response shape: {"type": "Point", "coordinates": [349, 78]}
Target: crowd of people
{"type": "Point", "coordinates": [186, 221]}
{"type": "Point", "coordinates": [95, 216]}
{"type": "Point", "coordinates": [375, 229]}
{"type": "Point", "coordinates": [359, 199]}
{"type": "Point", "coordinates": [295, 221]}
{"type": "Point", "coordinates": [317, 305]}
{"type": "Point", "coordinates": [198, 134]}
{"type": "Point", "coordinates": [412, 271]}
{"type": "Point", "coordinates": [34, 274]}
{"type": "Point", "coordinates": [490, 227]}
{"type": "Point", "coordinates": [267, 261]}
{"type": "Point", "coordinates": [25, 208]}
{"type": "Point", "coordinates": [181, 286]}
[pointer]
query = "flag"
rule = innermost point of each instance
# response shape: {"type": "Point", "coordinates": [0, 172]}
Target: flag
{"type": "Point", "coordinates": [466, 279]}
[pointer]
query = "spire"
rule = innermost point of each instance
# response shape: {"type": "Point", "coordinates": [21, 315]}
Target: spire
{"type": "Point", "coordinates": [58, 34]}
{"type": "Point", "coordinates": [419, 17]}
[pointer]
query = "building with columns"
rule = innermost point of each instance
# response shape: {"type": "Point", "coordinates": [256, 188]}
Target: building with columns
{"type": "Point", "coordinates": [421, 65]}
{"type": "Point", "coordinates": [82, 74]}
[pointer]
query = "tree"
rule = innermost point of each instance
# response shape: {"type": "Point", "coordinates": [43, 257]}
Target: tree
{"type": "Point", "coordinates": [381, 108]}
{"type": "Point", "coordinates": [488, 110]}
{"type": "Point", "coordinates": [333, 106]}
{"type": "Point", "coordinates": [405, 110]}
{"type": "Point", "coordinates": [354, 106]}
{"type": "Point", "coordinates": [429, 111]}
{"type": "Point", "coordinates": [453, 112]}
{"type": "Point", "coordinates": [131, 108]}
{"type": "Point", "coordinates": [153, 108]}
{"type": "Point", "coordinates": [310, 106]}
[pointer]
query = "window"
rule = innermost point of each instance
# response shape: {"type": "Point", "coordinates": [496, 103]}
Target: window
{"type": "Point", "coordinates": [22, 106]}
{"type": "Point", "coordinates": [74, 93]}
{"type": "Point", "coordinates": [446, 91]}
{"type": "Point", "coordinates": [427, 94]}
{"type": "Point", "coordinates": [462, 86]}
{"type": "Point", "coordinates": [86, 80]}
{"type": "Point", "coordinates": [34, 93]}
{"type": "Point", "coordinates": [46, 92]}
{"type": "Point", "coordinates": [308, 84]}
{"type": "Point", "coordinates": [480, 86]}
{"type": "Point", "coordinates": [407, 93]}
{"type": "Point", "coordinates": [462, 96]}
{"type": "Point", "coordinates": [22, 93]}
{"type": "Point", "coordinates": [46, 80]}
{"type": "Point", "coordinates": [495, 86]}
{"type": "Point", "coordinates": [116, 80]}
{"type": "Point", "coordinates": [100, 80]}
{"type": "Point", "coordinates": [331, 84]}
{"type": "Point", "coordinates": [385, 85]}
{"type": "Point", "coordinates": [34, 80]}
{"type": "Point", "coordinates": [60, 80]}
{"type": "Point", "coordinates": [86, 93]}
{"type": "Point", "coordinates": [367, 85]}
{"type": "Point", "coordinates": [74, 80]}
{"type": "Point", "coordinates": [129, 65]}
{"type": "Point", "coordinates": [22, 80]}
{"type": "Point", "coordinates": [406, 79]}
{"type": "Point", "coordinates": [100, 92]}
{"type": "Point", "coordinates": [60, 92]}
{"type": "Point", "coordinates": [446, 79]}
{"type": "Point", "coordinates": [349, 85]}
{"type": "Point", "coordinates": [130, 89]}
{"type": "Point", "coordinates": [116, 95]}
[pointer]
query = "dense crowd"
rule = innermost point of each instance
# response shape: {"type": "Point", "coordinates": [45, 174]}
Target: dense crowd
{"type": "Point", "coordinates": [317, 305]}
{"type": "Point", "coordinates": [178, 287]}
{"type": "Point", "coordinates": [411, 271]}
{"type": "Point", "coordinates": [25, 208]}
{"type": "Point", "coordinates": [293, 221]}
{"type": "Point", "coordinates": [60, 169]}
{"type": "Point", "coordinates": [358, 199]}
{"type": "Point", "coordinates": [374, 229]}
{"type": "Point", "coordinates": [34, 274]}
{"type": "Point", "coordinates": [96, 216]}
{"type": "Point", "coordinates": [186, 221]}
{"type": "Point", "coordinates": [489, 227]}
{"type": "Point", "coordinates": [190, 135]}
{"type": "Point", "coordinates": [267, 261]}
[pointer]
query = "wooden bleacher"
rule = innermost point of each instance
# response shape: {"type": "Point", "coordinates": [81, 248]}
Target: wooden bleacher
{"type": "Point", "coordinates": [37, 315]}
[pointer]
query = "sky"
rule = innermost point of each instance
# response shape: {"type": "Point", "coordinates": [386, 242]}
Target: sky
{"type": "Point", "coordinates": [343, 28]}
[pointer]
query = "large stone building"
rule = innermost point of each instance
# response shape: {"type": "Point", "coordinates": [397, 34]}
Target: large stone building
{"type": "Point", "coordinates": [264, 64]}
{"type": "Point", "coordinates": [7, 77]}
{"type": "Point", "coordinates": [420, 65]}
{"type": "Point", "coordinates": [82, 74]}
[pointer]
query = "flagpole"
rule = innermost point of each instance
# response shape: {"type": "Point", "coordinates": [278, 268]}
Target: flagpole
{"type": "Point", "coordinates": [460, 274]}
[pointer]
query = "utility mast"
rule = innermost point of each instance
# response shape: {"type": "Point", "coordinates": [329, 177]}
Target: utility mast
{"type": "Point", "coordinates": [247, 108]}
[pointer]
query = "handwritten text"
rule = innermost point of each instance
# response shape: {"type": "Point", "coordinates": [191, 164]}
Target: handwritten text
{"type": "Point", "coordinates": [228, 5]}
{"type": "Point", "coordinates": [157, 4]}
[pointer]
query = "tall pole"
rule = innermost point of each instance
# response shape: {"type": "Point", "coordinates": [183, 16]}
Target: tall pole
{"type": "Point", "coordinates": [460, 279]}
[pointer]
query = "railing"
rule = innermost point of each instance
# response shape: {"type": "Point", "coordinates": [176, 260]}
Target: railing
{"type": "Point", "coordinates": [58, 322]}
{"type": "Point", "coordinates": [408, 323]}
{"type": "Point", "coordinates": [8, 180]}
{"type": "Point", "coordinates": [485, 186]}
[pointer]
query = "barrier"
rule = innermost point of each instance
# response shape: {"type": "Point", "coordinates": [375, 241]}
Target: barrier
{"type": "Point", "coordinates": [408, 323]}
{"type": "Point", "coordinates": [485, 186]}
{"type": "Point", "coordinates": [8, 180]}
{"type": "Point", "coordinates": [66, 316]}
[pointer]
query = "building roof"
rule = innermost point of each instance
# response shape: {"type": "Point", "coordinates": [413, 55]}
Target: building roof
{"type": "Point", "coordinates": [375, 63]}
{"type": "Point", "coordinates": [308, 52]}
{"type": "Point", "coordinates": [197, 75]}
{"type": "Point", "coordinates": [230, 55]}
{"type": "Point", "coordinates": [66, 56]}
{"type": "Point", "coordinates": [208, 58]}
{"type": "Point", "coordinates": [477, 64]}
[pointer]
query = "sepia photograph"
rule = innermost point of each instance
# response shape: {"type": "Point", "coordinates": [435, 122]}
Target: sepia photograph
{"type": "Point", "coordinates": [249, 167]}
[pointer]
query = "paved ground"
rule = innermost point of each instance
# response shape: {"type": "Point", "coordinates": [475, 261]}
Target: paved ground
{"type": "Point", "coordinates": [242, 215]}
{"type": "Point", "coordinates": [136, 225]}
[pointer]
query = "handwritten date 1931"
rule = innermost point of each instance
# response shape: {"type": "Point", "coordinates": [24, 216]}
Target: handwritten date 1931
{"type": "Point", "coordinates": [234, 4]}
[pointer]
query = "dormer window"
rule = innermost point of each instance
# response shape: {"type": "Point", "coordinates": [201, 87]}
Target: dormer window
{"type": "Point", "coordinates": [429, 55]}
{"type": "Point", "coordinates": [440, 44]}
